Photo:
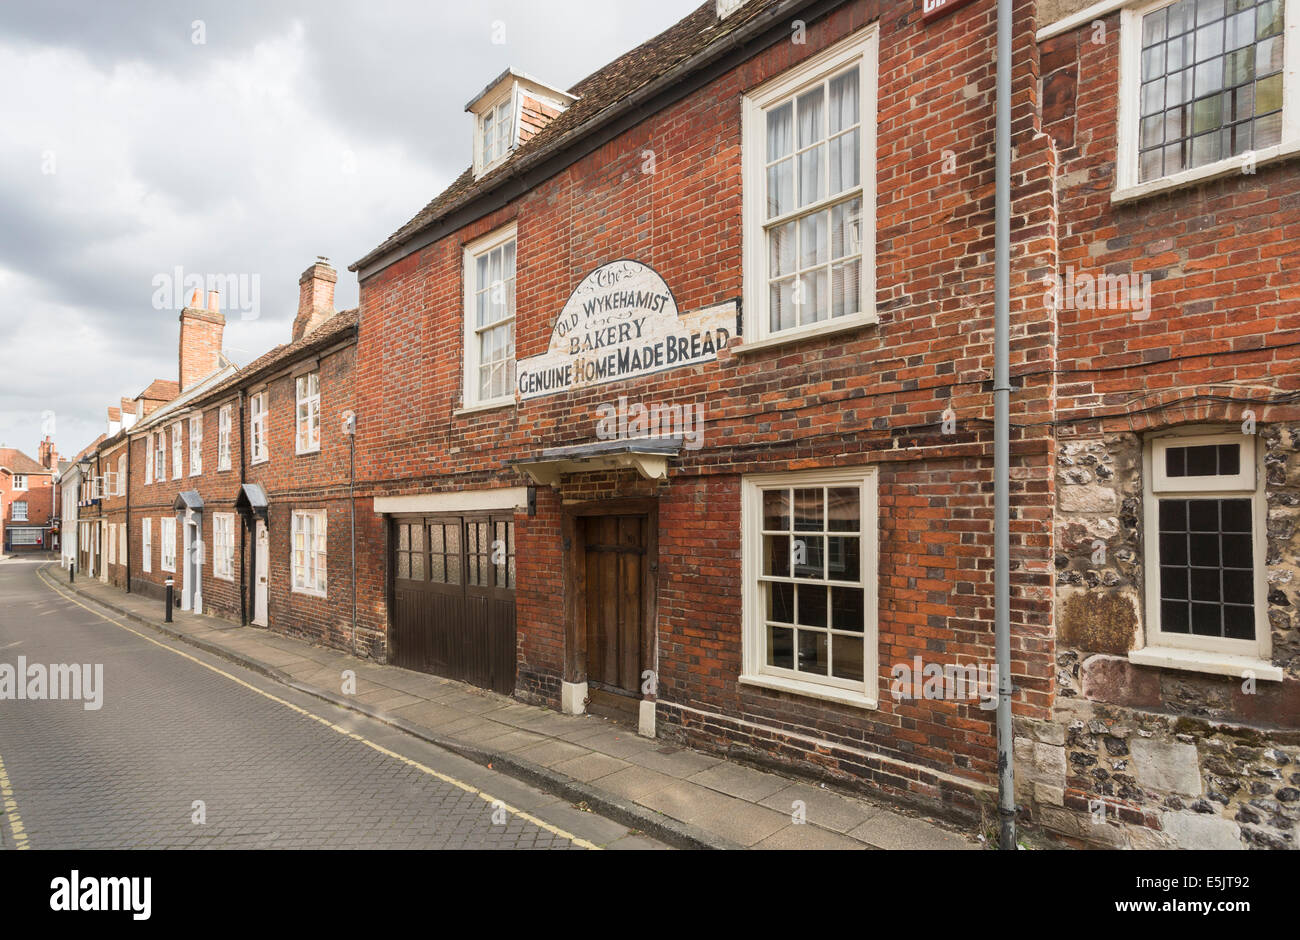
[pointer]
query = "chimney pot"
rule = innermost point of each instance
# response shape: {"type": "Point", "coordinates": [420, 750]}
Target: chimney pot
{"type": "Point", "coordinates": [214, 300]}
{"type": "Point", "coordinates": [194, 299]}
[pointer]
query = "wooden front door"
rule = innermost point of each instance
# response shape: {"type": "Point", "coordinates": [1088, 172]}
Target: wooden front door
{"type": "Point", "coordinates": [615, 577]}
{"type": "Point", "coordinates": [454, 598]}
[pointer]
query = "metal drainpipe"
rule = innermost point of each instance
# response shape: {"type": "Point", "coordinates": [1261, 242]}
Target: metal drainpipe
{"type": "Point", "coordinates": [1002, 432]}
{"type": "Point", "coordinates": [243, 529]}
{"type": "Point", "coordinates": [352, 509]}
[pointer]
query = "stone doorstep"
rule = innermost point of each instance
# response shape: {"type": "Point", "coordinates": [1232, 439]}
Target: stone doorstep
{"type": "Point", "coordinates": [721, 806]}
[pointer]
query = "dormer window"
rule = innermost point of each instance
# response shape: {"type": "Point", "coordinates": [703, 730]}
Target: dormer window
{"type": "Point", "coordinates": [497, 132]}
{"type": "Point", "coordinates": [508, 113]}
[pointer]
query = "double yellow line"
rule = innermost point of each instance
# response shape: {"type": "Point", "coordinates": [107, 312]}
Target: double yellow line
{"type": "Point", "coordinates": [527, 817]}
{"type": "Point", "coordinates": [10, 806]}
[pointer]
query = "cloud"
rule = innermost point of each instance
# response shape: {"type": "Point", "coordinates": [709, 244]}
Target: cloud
{"type": "Point", "coordinates": [294, 129]}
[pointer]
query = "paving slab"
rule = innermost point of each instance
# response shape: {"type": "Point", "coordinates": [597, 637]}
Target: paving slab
{"type": "Point", "coordinates": [822, 807]}
{"type": "Point", "coordinates": [740, 781]}
{"type": "Point", "coordinates": [810, 838]}
{"type": "Point", "coordinates": [890, 830]}
{"type": "Point", "coordinates": [673, 761]}
{"type": "Point", "coordinates": [635, 782]}
{"type": "Point", "coordinates": [735, 820]}
{"type": "Point", "coordinates": [590, 767]}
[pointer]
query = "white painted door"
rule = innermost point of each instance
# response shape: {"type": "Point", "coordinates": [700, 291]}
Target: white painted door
{"type": "Point", "coordinates": [261, 559]}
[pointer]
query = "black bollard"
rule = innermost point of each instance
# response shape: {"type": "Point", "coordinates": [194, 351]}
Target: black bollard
{"type": "Point", "coordinates": [170, 588]}
{"type": "Point", "coordinates": [72, 571]}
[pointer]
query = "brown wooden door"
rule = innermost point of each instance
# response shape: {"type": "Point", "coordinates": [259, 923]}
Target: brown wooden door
{"type": "Point", "coordinates": [614, 559]}
{"type": "Point", "coordinates": [454, 598]}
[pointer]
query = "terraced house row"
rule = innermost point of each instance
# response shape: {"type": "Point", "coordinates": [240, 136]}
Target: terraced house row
{"type": "Point", "coordinates": [677, 405]}
{"type": "Point", "coordinates": [232, 482]}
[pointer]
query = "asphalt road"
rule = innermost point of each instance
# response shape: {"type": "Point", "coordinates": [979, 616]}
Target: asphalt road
{"type": "Point", "coordinates": [190, 751]}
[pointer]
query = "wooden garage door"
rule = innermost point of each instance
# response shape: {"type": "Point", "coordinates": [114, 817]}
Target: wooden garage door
{"type": "Point", "coordinates": [454, 598]}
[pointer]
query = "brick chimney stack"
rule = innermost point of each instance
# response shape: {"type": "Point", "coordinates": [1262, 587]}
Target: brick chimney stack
{"type": "Point", "coordinates": [46, 454]}
{"type": "Point", "coordinates": [201, 334]}
{"type": "Point", "coordinates": [315, 297]}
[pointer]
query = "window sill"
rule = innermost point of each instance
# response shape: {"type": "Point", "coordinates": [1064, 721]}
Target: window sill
{"type": "Point", "coordinates": [498, 404]}
{"type": "Point", "coordinates": [1216, 664]}
{"type": "Point", "coordinates": [307, 593]}
{"type": "Point", "coordinates": [798, 336]}
{"type": "Point", "coordinates": [807, 690]}
{"type": "Point", "coordinates": [259, 462]}
{"type": "Point", "coordinates": [1201, 174]}
{"type": "Point", "coordinates": [307, 453]}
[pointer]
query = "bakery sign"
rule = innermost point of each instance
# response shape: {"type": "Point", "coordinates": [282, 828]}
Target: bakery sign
{"type": "Point", "coordinates": [620, 323]}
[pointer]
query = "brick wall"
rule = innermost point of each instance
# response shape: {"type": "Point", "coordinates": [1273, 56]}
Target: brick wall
{"type": "Point", "coordinates": [1138, 755]}
{"type": "Point", "coordinates": [873, 396]}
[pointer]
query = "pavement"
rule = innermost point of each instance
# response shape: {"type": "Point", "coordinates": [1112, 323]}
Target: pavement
{"type": "Point", "coordinates": [673, 795]}
{"type": "Point", "coordinates": [189, 750]}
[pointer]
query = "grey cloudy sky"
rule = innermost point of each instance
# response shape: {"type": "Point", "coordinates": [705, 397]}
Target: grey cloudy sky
{"type": "Point", "coordinates": [294, 129]}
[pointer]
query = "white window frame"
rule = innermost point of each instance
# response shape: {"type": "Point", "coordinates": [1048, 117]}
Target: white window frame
{"type": "Point", "coordinates": [20, 482]}
{"type": "Point", "coordinates": [259, 449]}
{"type": "Point", "coordinates": [146, 545]}
{"type": "Point", "coordinates": [1127, 170]}
{"type": "Point", "coordinates": [312, 577]}
{"type": "Point", "coordinates": [112, 543]}
{"type": "Point", "coordinates": [196, 444]}
{"type": "Point", "coordinates": [1200, 653]}
{"type": "Point", "coordinates": [18, 510]}
{"type": "Point", "coordinates": [470, 380]}
{"type": "Point", "coordinates": [148, 460]}
{"type": "Point", "coordinates": [223, 439]}
{"type": "Point", "coordinates": [862, 46]}
{"type": "Point", "coordinates": [510, 100]}
{"type": "Point", "coordinates": [167, 546]}
{"type": "Point", "coordinates": [755, 669]}
{"type": "Point", "coordinates": [223, 546]}
{"type": "Point", "coordinates": [121, 543]}
{"type": "Point", "coordinates": [160, 457]}
{"type": "Point", "coordinates": [311, 403]}
{"type": "Point", "coordinates": [178, 451]}
{"type": "Point", "coordinates": [121, 474]}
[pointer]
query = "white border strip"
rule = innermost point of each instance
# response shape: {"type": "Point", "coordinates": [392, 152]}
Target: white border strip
{"type": "Point", "coordinates": [1086, 15]}
{"type": "Point", "coordinates": [515, 497]}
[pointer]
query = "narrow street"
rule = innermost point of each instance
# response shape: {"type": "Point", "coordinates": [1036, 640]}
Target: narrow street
{"type": "Point", "coordinates": [190, 751]}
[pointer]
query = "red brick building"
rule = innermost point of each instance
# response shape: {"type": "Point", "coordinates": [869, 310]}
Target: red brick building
{"type": "Point", "coordinates": [240, 484]}
{"type": "Point", "coordinates": [27, 498]}
{"type": "Point", "coordinates": [678, 404]}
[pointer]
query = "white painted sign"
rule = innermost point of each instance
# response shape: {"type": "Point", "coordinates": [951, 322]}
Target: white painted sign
{"type": "Point", "coordinates": [622, 322]}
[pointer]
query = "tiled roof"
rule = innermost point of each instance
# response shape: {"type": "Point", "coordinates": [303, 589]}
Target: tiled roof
{"type": "Point", "coordinates": [13, 459]}
{"type": "Point", "coordinates": [331, 330]}
{"type": "Point", "coordinates": [597, 94]}
{"type": "Point", "coordinates": [161, 390]}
